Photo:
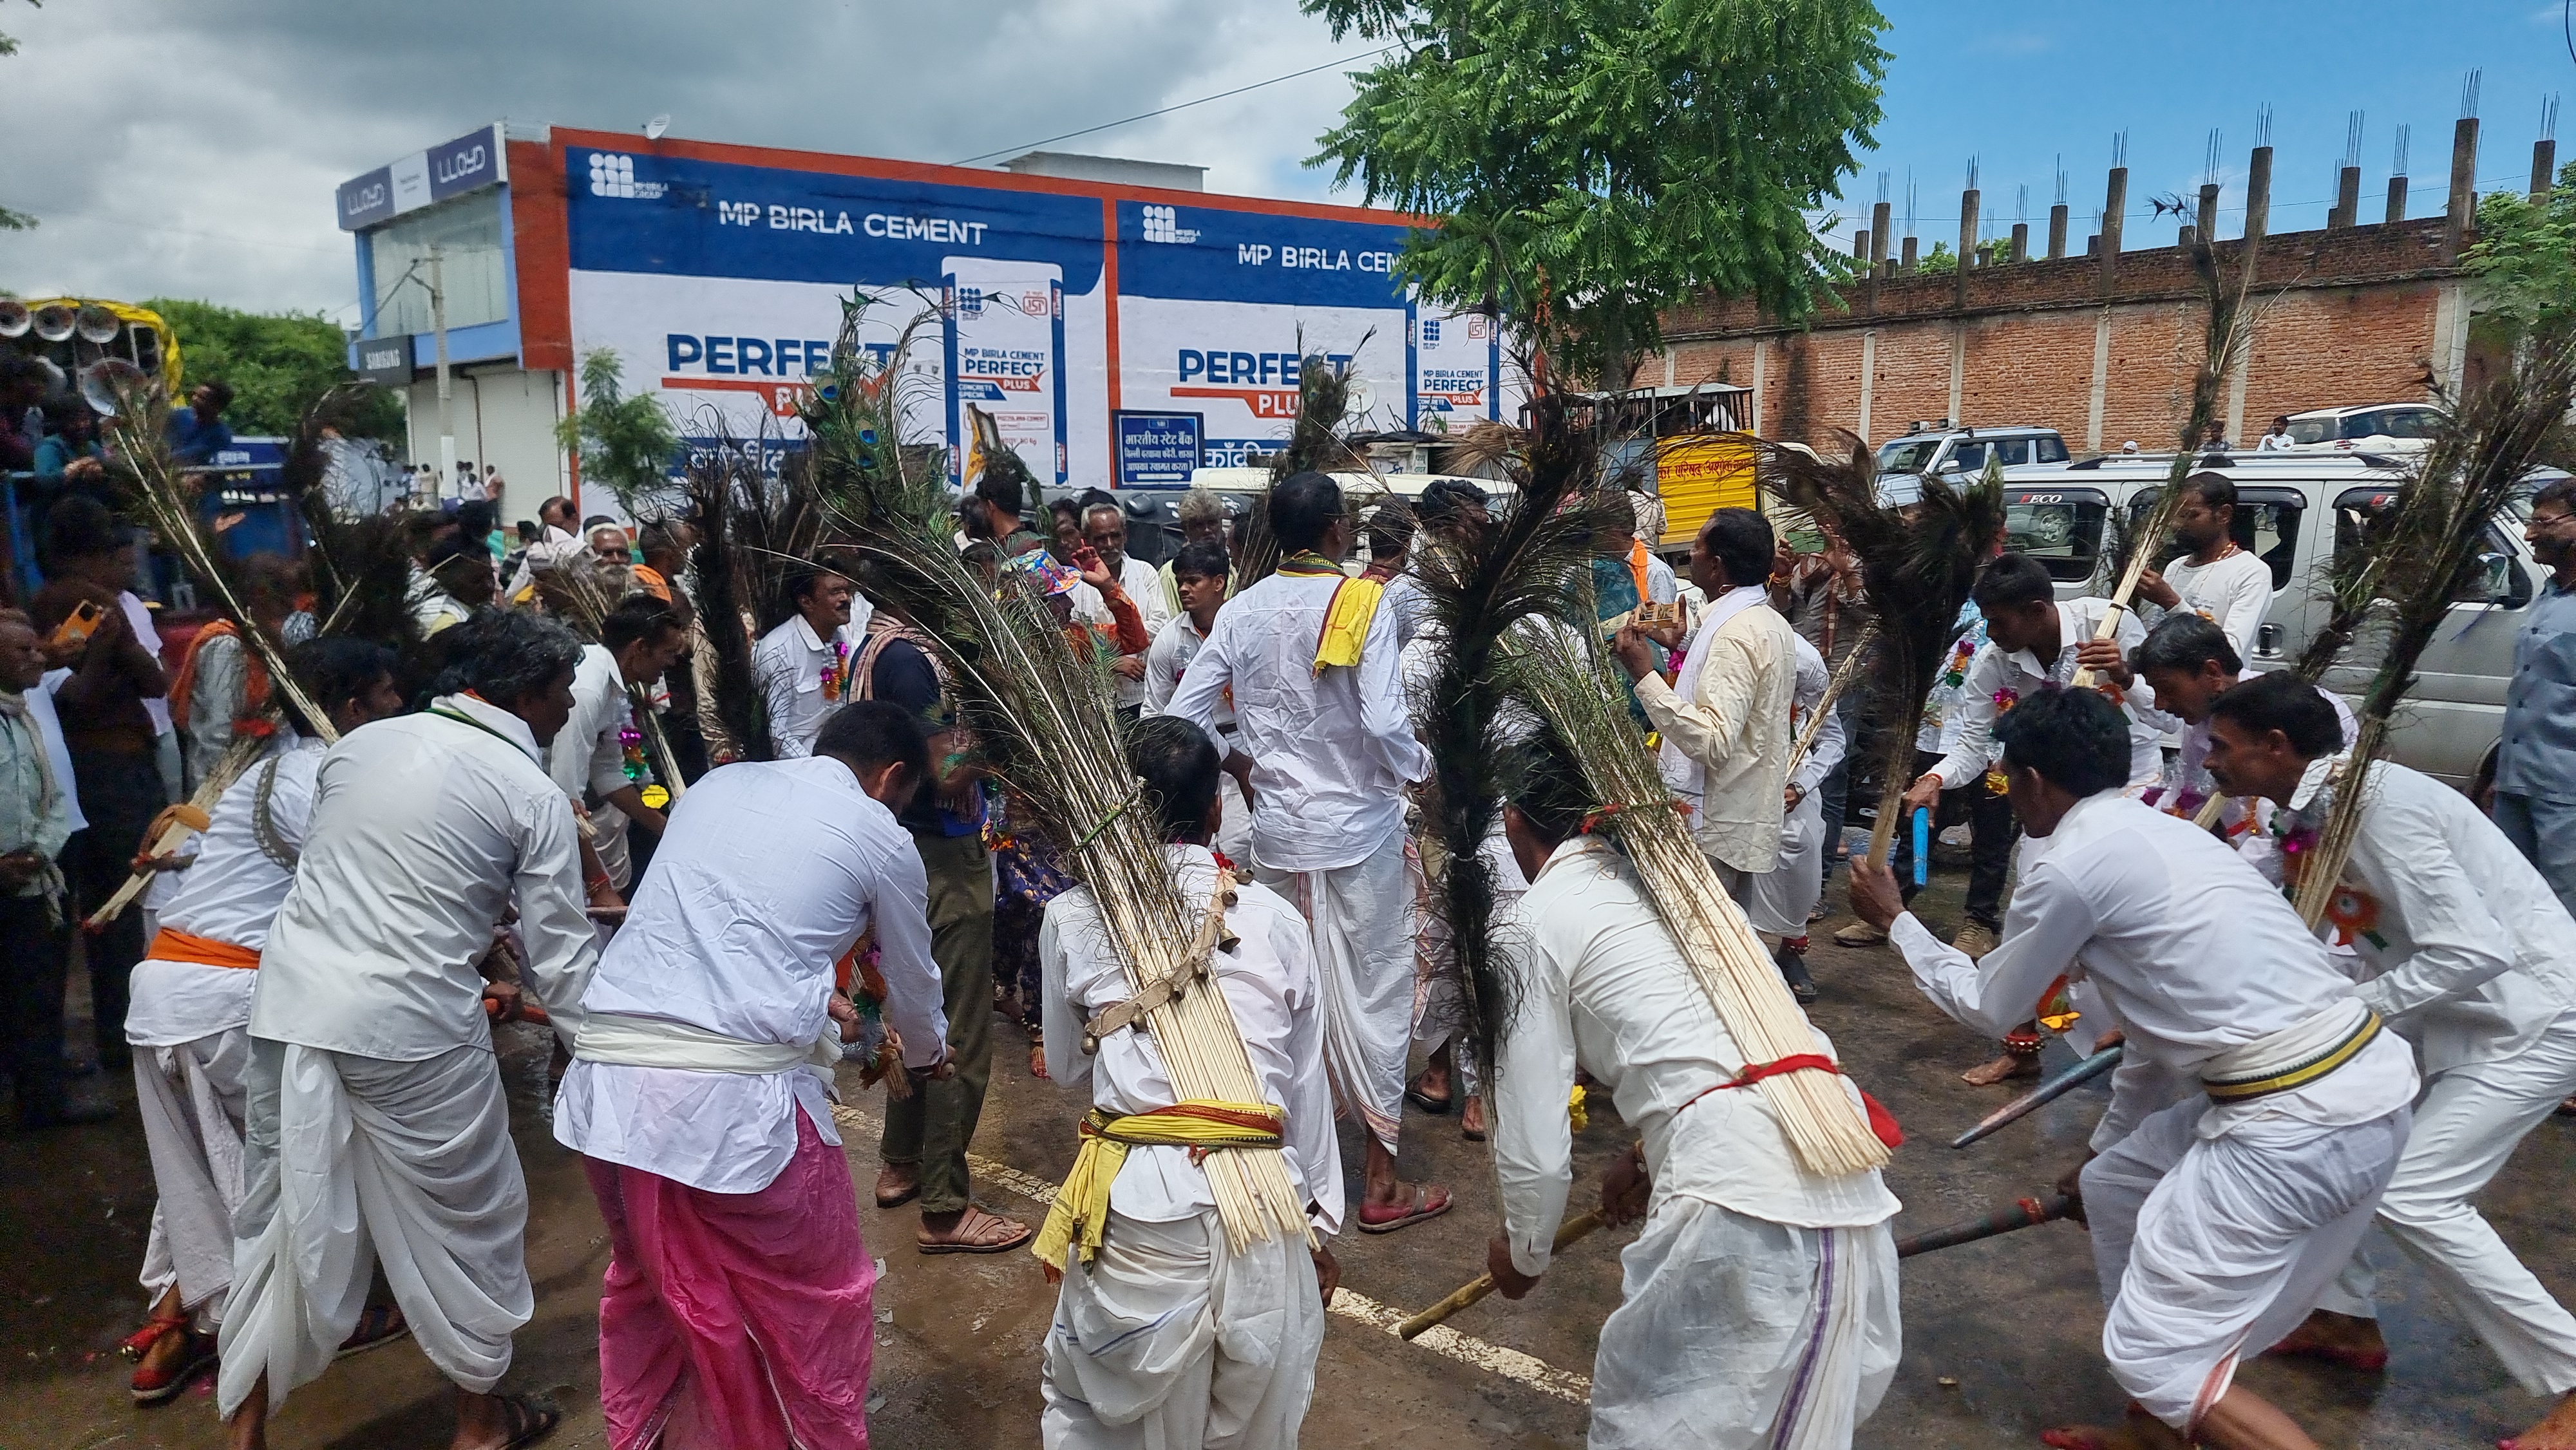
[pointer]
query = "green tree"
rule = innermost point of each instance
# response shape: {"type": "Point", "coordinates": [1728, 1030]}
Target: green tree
{"type": "Point", "coordinates": [1593, 162]}
{"type": "Point", "coordinates": [277, 364]}
{"type": "Point", "coordinates": [1938, 262]}
{"type": "Point", "coordinates": [15, 221]}
{"type": "Point", "coordinates": [626, 444]}
{"type": "Point", "coordinates": [2525, 257]}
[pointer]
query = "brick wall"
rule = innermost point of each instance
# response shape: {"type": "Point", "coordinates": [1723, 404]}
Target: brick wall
{"type": "Point", "coordinates": [2361, 315]}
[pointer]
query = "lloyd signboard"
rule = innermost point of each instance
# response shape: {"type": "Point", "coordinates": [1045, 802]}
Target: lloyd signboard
{"type": "Point", "coordinates": [1083, 319]}
{"type": "Point", "coordinates": [469, 163]}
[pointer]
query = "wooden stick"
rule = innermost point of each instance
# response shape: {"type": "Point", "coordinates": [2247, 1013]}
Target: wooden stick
{"type": "Point", "coordinates": [231, 766]}
{"type": "Point", "coordinates": [2020, 1214]}
{"type": "Point", "coordinates": [1833, 691]}
{"type": "Point", "coordinates": [1477, 1288]}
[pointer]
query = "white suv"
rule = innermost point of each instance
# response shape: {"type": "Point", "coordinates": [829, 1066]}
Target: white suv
{"type": "Point", "coordinates": [1940, 448]}
{"type": "Point", "coordinates": [2378, 428]}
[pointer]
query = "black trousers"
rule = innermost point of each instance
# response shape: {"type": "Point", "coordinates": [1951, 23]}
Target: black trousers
{"type": "Point", "coordinates": [33, 958]}
{"type": "Point", "coordinates": [119, 794]}
{"type": "Point", "coordinates": [1990, 818]}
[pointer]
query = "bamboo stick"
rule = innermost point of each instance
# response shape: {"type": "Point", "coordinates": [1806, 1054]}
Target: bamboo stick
{"type": "Point", "coordinates": [1572, 1231]}
{"type": "Point", "coordinates": [231, 766]}
{"type": "Point", "coordinates": [1824, 710]}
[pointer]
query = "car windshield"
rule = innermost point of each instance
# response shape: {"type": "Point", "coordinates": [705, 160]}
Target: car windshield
{"type": "Point", "coordinates": [2361, 425]}
{"type": "Point", "coordinates": [1911, 455]}
{"type": "Point", "coordinates": [2311, 430]}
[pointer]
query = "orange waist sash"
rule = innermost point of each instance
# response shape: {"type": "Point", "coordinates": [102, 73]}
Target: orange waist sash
{"type": "Point", "coordinates": [174, 945]}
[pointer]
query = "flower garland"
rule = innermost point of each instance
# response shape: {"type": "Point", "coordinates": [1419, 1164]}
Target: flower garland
{"type": "Point", "coordinates": [630, 744]}
{"type": "Point", "coordinates": [836, 672]}
{"type": "Point", "coordinates": [2352, 912]}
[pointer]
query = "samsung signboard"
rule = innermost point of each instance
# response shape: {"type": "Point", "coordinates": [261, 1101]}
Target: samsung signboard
{"type": "Point", "coordinates": [468, 163]}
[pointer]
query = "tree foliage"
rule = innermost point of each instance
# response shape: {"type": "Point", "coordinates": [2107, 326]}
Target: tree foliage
{"type": "Point", "coordinates": [15, 221]}
{"type": "Point", "coordinates": [277, 363]}
{"type": "Point", "coordinates": [1592, 162]}
{"type": "Point", "coordinates": [2525, 257]}
{"type": "Point", "coordinates": [628, 445]}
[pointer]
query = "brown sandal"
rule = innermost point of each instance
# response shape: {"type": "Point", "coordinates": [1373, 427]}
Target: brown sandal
{"type": "Point", "coordinates": [971, 1222]}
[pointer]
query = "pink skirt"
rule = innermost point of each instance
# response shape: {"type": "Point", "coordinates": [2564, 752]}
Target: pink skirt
{"type": "Point", "coordinates": [736, 1321]}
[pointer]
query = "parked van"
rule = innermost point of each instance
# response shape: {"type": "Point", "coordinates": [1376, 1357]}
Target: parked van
{"type": "Point", "coordinates": [2297, 512]}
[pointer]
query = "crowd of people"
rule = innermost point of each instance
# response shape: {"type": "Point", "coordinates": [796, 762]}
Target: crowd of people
{"type": "Point", "coordinates": [306, 995]}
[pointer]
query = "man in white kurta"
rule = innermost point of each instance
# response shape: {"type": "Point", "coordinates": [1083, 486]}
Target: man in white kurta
{"type": "Point", "coordinates": [639, 640]}
{"type": "Point", "coordinates": [699, 1089]}
{"type": "Point", "coordinates": [2463, 948]}
{"type": "Point", "coordinates": [1759, 1305]}
{"type": "Point", "coordinates": [2259, 1110]}
{"type": "Point", "coordinates": [1725, 717]}
{"type": "Point", "coordinates": [189, 1015]}
{"type": "Point", "coordinates": [804, 663]}
{"type": "Point", "coordinates": [376, 1128]}
{"type": "Point", "coordinates": [1779, 901]}
{"type": "Point", "coordinates": [1202, 581]}
{"type": "Point", "coordinates": [1166, 1340]}
{"type": "Point", "coordinates": [2216, 578]}
{"type": "Point", "coordinates": [1104, 527]}
{"type": "Point", "coordinates": [1330, 750]}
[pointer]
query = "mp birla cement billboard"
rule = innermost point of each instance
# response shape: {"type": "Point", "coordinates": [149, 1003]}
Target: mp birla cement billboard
{"type": "Point", "coordinates": [718, 276]}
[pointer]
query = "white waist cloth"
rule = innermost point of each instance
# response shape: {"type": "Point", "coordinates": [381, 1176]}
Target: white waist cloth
{"type": "Point", "coordinates": [2378, 1080]}
{"type": "Point", "coordinates": [2292, 1046]}
{"type": "Point", "coordinates": [177, 1002]}
{"type": "Point", "coordinates": [713, 1112]}
{"type": "Point", "coordinates": [1740, 1333]}
{"type": "Point", "coordinates": [1167, 1340]}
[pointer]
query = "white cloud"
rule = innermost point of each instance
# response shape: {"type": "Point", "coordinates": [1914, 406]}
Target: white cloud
{"type": "Point", "coordinates": [191, 150]}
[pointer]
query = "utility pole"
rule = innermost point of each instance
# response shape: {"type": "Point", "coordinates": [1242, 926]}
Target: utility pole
{"type": "Point", "coordinates": [446, 412]}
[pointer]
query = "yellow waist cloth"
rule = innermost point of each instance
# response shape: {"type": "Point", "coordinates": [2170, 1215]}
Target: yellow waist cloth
{"type": "Point", "coordinates": [1081, 1208]}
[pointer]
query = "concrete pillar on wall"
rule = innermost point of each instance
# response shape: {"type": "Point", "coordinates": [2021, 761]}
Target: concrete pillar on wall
{"type": "Point", "coordinates": [2057, 231]}
{"type": "Point", "coordinates": [2396, 200]}
{"type": "Point", "coordinates": [2347, 202]}
{"type": "Point", "coordinates": [1860, 244]}
{"type": "Point", "coordinates": [1754, 425]}
{"type": "Point", "coordinates": [2258, 193]}
{"type": "Point", "coordinates": [2450, 334]}
{"type": "Point", "coordinates": [1906, 267]}
{"type": "Point", "coordinates": [2544, 166]}
{"type": "Point", "coordinates": [2021, 242]}
{"type": "Point", "coordinates": [2463, 212]}
{"type": "Point", "coordinates": [2184, 238]}
{"type": "Point", "coordinates": [1878, 216]}
{"type": "Point", "coordinates": [1668, 367]}
{"type": "Point", "coordinates": [2101, 381]}
{"type": "Point", "coordinates": [1868, 377]}
{"type": "Point", "coordinates": [2115, 203]}
{"type": "Point", "coordinates": [2236, 391]}
{"type": "Point", "coordinates": [1967, 241]}
{"type": "Point", "coordinates": [1958, 369]}
{"type": "Point", "coordinates": [2207, 222]}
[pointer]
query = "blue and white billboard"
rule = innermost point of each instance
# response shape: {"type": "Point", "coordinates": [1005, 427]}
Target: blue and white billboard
{"type": "Point", "coordinates": [720, 283]}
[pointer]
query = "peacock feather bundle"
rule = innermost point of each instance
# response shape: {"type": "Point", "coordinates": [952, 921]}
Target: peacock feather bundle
{"type": "Point", "coordinates": [1917, 565]}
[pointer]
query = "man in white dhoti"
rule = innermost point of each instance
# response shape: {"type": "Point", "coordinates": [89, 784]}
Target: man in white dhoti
{"type": "Point", "coordinates": [189, 1015]}
{"type": "Point", "coordinates": [1725, 716]}
{"type": "Point", "coordinates": [1319, 708]}
{"type": "Point", "coordinates": [738, 1303]}
{"type": "Point", "coordinates": [376, 1129]}
{"type": "Point", "coordinates": [2259, 1111]}
{"type": "Point", "coordinates": [1779, 901]}
{"type": "Point", "coordinates": [1163, 1338]}
{"type": "Point", "coordinates": [2463, 948]}
{"type": "Point", "coordinates": [1759, 1306]}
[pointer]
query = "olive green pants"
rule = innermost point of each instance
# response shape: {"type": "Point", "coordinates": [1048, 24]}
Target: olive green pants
{"type": "Point", "coordinates": [929, 1130]}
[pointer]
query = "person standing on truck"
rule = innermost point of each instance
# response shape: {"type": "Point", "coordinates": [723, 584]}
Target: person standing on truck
{"type": "Point", "coordinates": [2216, 578]}
{"type": "Point", "coordinates": [2535, 774]}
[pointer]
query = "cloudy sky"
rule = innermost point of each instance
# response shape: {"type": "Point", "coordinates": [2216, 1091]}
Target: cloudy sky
{"type": "Point", "coordinates": [190, 147]}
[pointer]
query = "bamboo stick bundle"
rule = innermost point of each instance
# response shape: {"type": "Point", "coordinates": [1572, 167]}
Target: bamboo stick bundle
{"type": "Point", "coordinates": [1045, 723]}
{"type": "Point", "coordinates": [1575, 693]}
{"type": "Point", "coordinates": [2432, 539]}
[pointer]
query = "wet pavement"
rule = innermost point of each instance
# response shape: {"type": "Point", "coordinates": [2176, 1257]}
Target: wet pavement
{"type": "Point", "coordinates": [2001, 1336]}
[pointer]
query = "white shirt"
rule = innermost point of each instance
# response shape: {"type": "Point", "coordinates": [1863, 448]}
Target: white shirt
{"type": "Point", "coordinates": [2472, 958]}
{"type": "Point", "coordinates": [1812, 682]}
{"type": "Point", "coordinates": [588, 758]}
{"type": "Point", "coordinates": [231, 895]}
{"type": "Point", "coordinates": [1175, 645]}
{"type": "Point", "coordinates": [139, 615]}
{"type": "Point", "coordinates": [425, 828]}
{"type": "Point", "coordinates": [2272, 442]}
{"type": "Point", "coordinates": [1727, 728]}
{"type": "Point", "coordinates": [2186, 947]}
{"type": "Point", "coordinates": [2231, 593]}
{"type": "Point", "coordinates": [1972, 748]}
{"type": "Point", "coordinates": [792, 661]}
{"type": "Point", "coordinates": [1331, 752]}
{"type": "Point", "coordinates": [767, 875]}
{"type": "Point", "coordinates": [1269, 984]}
{"type": "Point", "coordinates": [1603, 987]}
{"type": "Point", "coordinates": [40, 708]}
{"type": "Point", "coordinates": [1145, 590]}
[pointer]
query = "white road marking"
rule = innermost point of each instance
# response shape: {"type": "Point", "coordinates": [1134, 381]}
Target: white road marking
{"type": "Point", "coordinates": [1511, 1364]}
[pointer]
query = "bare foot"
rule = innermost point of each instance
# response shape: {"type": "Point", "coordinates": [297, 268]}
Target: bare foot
{"type": "Point", "coordinates": [1037, 1061]}
{"type": "Point", "coordinates": [2139, 1431]}
{"type": "Point", "coordinates": [970, 1230]}
{"type": "Point", "coordinates": [2003, 1069]}
{"type": "Point", "coordinates": [1471, 1123]}
{"type": "Point", "coordinates": [2343, 1339]}
{"type": "Point", "coordinates": [897, 1184]}
{"type": "Point", "coordinates": [2556, 1431]}
{"type": "Point", "coordinates": [489, 1422]}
